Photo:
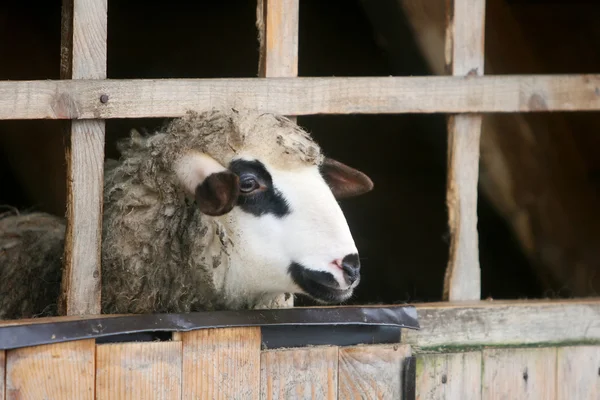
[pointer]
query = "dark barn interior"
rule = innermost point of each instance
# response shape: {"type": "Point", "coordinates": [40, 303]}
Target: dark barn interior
{"type": "Point", "coordinates": [401, 227]}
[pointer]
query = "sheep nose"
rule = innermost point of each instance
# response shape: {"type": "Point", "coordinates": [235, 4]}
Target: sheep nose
{"type": "Point", "coordinates": [351, 267]}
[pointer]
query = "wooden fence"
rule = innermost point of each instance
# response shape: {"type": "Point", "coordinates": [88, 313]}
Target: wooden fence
{"type": "Point", "coordinates": [488, 350]}
{"type": "Point", "coordinates": [481, 350]}
{"type": "Point", "coordinates": [84, 98]}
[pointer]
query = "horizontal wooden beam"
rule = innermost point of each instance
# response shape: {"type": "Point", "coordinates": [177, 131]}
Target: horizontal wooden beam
{"type": "Point", "coordinates": [453, 326]}
{"type": "Point", "coordinates": [105, 99]}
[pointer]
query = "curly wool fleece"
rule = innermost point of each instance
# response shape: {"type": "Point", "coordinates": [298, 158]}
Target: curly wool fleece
{"type": "Point", "coordinates": [159, 253]}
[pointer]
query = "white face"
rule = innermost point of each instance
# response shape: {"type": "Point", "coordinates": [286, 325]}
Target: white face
{"type": "Point", "coordinates": [289, 232]}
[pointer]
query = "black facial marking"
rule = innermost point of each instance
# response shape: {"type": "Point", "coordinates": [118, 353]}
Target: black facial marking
{"type": "Point", "coordinates": [265, 200]}
{"type": "Point", "coordinates": [319, 285]}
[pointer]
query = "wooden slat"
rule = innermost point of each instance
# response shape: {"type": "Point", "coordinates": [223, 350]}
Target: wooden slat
{"type": "Point", "coordinates": [83, 56]}
{"type": "Point", "coordinates": [221, 363]}
{"type": "Point", "coordinates": [371, 372]}
{"type": "Point", "coordinates": [2, 375]}
{"type": "Point", "coordinates": [505, 323]}
{"type": "Point", "coordinates": [138, 370]}
{"type": "Point", "coordinates": [578, 373]}
{"type": "Point", "coordinates": [55, 371]}
{"type": "Point", "coordinates": [519, 374]}
{"type": "Point", "coordinates": [298, 96]}
{"type": "Point", "coordinates": [464, 57]}
{"type": "Point", "coordinates": [307, 373]}
{"type": "Point", "coordinates": [278, 23]}
{"type": "Point", "coordinates": [449, 376]}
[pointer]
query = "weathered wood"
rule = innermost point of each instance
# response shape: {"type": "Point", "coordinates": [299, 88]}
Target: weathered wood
{"type": "Point", "coordinates": [307, 373]}
{"type": "Point", "coordinates": [277, 22]}
{"type": "Point", "coordinates": [578, 373]}
{"type": "Point", "coordinates": [83, 56]}
{"type": "Point", "coordinates": [462, 280]}
{"type": "Point", "coordinates": [221, 363]}
{"type": "Point", "coordinates": [532, 165]}
{"type": "Point", "coordinates": [55, 371]}
{"type": "Point", "coordinates": [80, 99]}
{"type": "Point", "coordinates": [505, 323]}
{"type": "Point", "coordinates": [449, 376]}
{"type": "Point", "coordinates": [138, 370]}
{"type": "Point", "coordinates": [371, 372]}
{"type": "Point", "coordinates": [519, 374]}
{"type": "Point", "coordinates": [2, 375]}
{"type": "Point", "coordinates": [464, 57]}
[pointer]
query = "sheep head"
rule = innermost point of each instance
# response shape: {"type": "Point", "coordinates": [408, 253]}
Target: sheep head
{"type": "Point", "coordinates": [263, 179]}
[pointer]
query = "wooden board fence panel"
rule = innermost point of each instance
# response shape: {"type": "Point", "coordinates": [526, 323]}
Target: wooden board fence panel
{"type": "Point", "coordinates": [306, 373]}
{"type": "Point", "coordinates": [54, 371]}
{"type": "Point", "coordinates": [221, 363]}
{"type": "Point", "coordinates": [578, 373]}
{"type": "Point", "coordinates": [449, 376]}
{"type": "Point", "coordinates": [141, 98]}
{"type": "Point", "coordinates": [144, 370]}
{"type": "Point", "coordinates": [371, 372]}
{"type": "Point", "coordinates": [519, 374]}
{"type": "Point", "coordinates": [83, 56]}
{"type": "Point", "coordinates": [465, 57]}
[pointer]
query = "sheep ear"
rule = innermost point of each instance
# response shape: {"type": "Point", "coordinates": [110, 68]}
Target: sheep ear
{"type": "Point", "coordinates": [218, 193]}
{"type": "Point", "coordinates": [215, 188]}
{"type": "Point", "coordinates": [343, 180]}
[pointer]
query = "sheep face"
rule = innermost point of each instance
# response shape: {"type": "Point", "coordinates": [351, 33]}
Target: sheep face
{"type": "Point", "coordinates": [289, 232]}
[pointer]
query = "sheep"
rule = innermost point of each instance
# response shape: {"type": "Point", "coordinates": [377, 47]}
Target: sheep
{"type": "Point", "coordinates": [221, 209]}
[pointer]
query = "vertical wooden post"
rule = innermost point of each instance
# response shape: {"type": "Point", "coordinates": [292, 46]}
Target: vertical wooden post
{"type": "Point", "coordinates": [277, 22]}
{"type": "Point", "coordinates": [464, 57]}
{"type": "Point", "coordinates": [83, 56]}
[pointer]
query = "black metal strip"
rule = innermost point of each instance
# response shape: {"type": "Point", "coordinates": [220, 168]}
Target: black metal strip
{"type": "Point", "coordinates": [15, 336]}
{"type": "Point", "coordinates": [277, 337]}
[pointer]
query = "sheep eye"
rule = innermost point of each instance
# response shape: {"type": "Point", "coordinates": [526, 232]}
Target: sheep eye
{"type": "Point", "coordinates": [248, 185]}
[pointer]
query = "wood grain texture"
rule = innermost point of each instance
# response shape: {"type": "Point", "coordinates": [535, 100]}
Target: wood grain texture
{"type": "Point", "coordinates": [462, 280]}
{"type": "Point", "coordinates": [2, 375]}
{"type": "Point", "coordinates": [307, 373]}
{"type": "Point", "coordinates": [449, 376]}
{"type": "Point", "coordinates": [464, 57]}
{"type": "Point", "coordinates": [277, 22]}
{"type": "Point", "coordinates": [55, 371]}
{"type": "Point", "coordinates": [221, 363]}
{"type": "Point", "coordinates": [505, 323]}
{"type": "Point", "coordinates": [139, 370]}
{"type": "Point", "coordinates": [515, 374]}
{"type": "Point", "coordinates": [371, 372]}
{"type": "Point", "coordinates": [83, 56]}
{"type": "Point", "coordinates": [85, 178]}
{"type": "Point", "coordinates": [578, 373]}
{"type": "Point", "coordinates": [140, 98]}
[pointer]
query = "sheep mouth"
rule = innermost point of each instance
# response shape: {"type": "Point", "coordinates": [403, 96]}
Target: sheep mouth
{"type": "Point", "coordinates": [320, 285]}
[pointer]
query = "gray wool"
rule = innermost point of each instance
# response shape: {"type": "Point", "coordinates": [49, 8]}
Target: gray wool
{"type": "Point", "coordinates": [159, 253]}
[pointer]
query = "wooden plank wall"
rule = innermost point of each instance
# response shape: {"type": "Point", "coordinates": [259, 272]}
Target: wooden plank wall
{"type": "Point", "coordinates": [464, 57]}
{"type": "Point", "coordinates": [225, 363]}
{"type": "Point", "coordinates": [546, 373]}
{"type": "Point", "coordinates": [83, 56]}
{"type": "Point", "coordinates": [229, 363]}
